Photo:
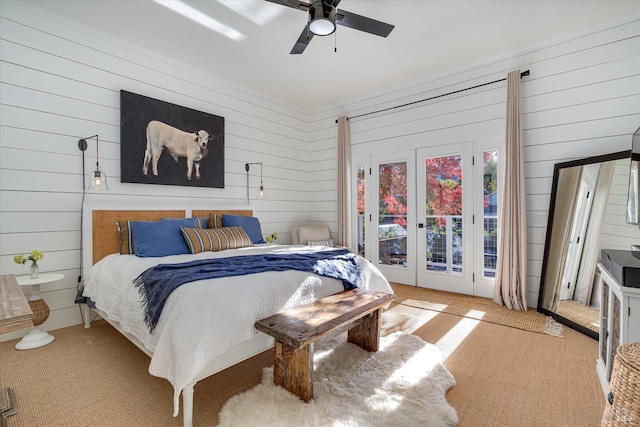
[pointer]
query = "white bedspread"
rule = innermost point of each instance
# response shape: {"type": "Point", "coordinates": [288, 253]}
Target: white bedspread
{"type": "Point", "coordinates": [223, 310]}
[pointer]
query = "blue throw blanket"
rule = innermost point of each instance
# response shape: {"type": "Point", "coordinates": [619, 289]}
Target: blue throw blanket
{"type": "Point", "coordinates": [156, 283]}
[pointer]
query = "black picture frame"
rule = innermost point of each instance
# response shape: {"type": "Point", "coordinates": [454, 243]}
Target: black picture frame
{"type": "Point", "coordinates": [171, 137]}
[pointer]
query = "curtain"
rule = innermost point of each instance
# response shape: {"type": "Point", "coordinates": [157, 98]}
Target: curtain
{"type": "Point", "coordinates": [563, 214]}
{"type": "Point", "coordinates": [344, 183]}
{"type": "Point", "coordinates": [591, 251]}
{"type": "Point", "coordinates": [511, 270]}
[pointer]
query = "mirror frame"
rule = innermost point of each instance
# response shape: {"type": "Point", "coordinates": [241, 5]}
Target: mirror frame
{"type": "Point", "coordinates": [552, 204]}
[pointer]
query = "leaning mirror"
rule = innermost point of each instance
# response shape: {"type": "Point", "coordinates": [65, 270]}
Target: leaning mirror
{"type": "Point", "coordinates": [633, 202]}
{"type": "Point", "coordinates": [584, 201]}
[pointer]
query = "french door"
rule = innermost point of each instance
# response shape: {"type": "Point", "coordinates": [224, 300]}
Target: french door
{"type": "Point", "coordinates": [430, 216]}
{"type": "Point", "coordinates": [445, 225]}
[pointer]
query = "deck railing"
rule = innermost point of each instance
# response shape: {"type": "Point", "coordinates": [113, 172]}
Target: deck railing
{"type": "Point", "coordinates": [444, 237]}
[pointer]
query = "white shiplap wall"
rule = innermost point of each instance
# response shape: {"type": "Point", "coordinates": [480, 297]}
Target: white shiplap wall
{"type": "Point", "coordinates": [581, 99]}
{"type": "Point", "coordinates": [59, 82]}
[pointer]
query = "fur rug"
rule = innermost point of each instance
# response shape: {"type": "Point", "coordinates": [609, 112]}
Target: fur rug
{"type": "Point", "coordinates": [402, 385]}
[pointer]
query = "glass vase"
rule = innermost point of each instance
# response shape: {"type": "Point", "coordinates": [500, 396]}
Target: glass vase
{"type": "Point", "coordinates": [34, 270]}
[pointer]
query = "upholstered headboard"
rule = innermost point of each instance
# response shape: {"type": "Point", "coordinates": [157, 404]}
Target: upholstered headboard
{"type": "Point", "coordinates": [100, 232]}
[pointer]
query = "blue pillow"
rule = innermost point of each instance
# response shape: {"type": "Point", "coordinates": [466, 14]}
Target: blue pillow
{"type": "Point", "coordinates": [250, 224]}
{"type": "Point", "coordinates": [161, 238]}
{"type": "Point", "coordinates": [202, 222]}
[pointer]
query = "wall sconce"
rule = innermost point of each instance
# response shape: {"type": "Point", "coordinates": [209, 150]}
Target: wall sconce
{"type": "Point", "coordinates": [98, 180]}
{"type": "Point", "coordinates": [262, 194]}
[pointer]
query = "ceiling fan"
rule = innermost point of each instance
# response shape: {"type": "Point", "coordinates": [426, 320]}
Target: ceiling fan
{"type": "Point", "coordinates": [323, 17]}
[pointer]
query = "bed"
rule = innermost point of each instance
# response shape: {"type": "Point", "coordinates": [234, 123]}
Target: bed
{"type": "Point", "coordinates": [222, 309]}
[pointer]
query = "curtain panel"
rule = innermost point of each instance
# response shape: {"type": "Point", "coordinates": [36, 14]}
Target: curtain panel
{"type": "Point", "coordinates": [511, 270]}
{"type": "Point", "coordinates": [344, 183]}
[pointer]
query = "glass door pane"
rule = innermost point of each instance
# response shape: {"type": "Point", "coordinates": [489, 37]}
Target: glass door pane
{"type": "Point", "coordinates": [392, 214]}
{"type": "Point", "coordinates": [490, 212]}
{"type": "Point", "coordinates": [443, 206]}
{"type": "Point", "coordinates": [360, 212]}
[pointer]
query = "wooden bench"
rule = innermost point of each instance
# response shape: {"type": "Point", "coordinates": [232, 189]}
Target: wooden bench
{"type": "Point", "coordinates": [357, 311]}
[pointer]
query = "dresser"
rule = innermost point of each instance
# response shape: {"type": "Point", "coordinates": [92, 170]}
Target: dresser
{"type": "Point", "coordinates": [619, 322]}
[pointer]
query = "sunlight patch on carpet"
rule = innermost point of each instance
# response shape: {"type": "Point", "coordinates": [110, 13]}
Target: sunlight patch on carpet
{"type": "Point", "coordinates": [452, 339]}
{"type": "Point", "coordinates": [416, 368]}
{"type": "Point", "coordinates": [529, 320]}
{"type": "Point", "coordinates": [403, 384]}
{"type": "Point", "coordinates": [405, 319]}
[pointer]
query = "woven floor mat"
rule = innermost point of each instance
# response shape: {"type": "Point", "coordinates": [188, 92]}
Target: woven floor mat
{"type": "Point", "coordinates": [482, 309]}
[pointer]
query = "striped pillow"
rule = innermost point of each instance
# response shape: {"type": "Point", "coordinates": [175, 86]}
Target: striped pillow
{"type": "Point", "coordinates": [126, 238]}
{"type": "Point", "coordinates": [330, 243]}
{"type": "Point", "coordinates": [215, 221]}
{"type": "Point", "coordinates": [215, 239]}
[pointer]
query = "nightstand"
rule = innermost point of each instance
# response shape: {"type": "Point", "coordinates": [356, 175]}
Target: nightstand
{"type": "Point", "coordinates": [37, 337]}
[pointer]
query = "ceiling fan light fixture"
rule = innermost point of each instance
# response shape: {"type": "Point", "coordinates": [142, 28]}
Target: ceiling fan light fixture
{"type": "Point", "coordinates": [322, 19]}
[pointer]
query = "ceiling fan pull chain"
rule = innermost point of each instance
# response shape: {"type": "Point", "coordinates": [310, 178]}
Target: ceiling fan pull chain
{"type": "Point", "coordinates": [335, 41]}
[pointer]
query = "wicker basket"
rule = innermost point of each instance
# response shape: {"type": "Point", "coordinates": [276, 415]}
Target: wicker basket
{"type": "Point", "coordinates": [40, 311]}
{"type": "Point", "coordinates": [623, 406]}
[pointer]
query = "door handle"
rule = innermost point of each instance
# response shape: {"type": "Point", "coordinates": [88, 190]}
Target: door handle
{"type": "Point", "coordinates": [420, 225]}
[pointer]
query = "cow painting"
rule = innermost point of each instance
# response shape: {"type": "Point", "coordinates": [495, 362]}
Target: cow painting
{"type": "Point", "coordinates": [178, 143]}
{"type": "Point", "coordinates": [168, 136]}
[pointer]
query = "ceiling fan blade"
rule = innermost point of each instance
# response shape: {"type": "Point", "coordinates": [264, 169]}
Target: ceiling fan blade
{"type": "Point", "coordinates": [302, 42]}
{"type": "Point", "coordinates": [295, 4]}
{"type": "Point", "coordinates": [362, 23]}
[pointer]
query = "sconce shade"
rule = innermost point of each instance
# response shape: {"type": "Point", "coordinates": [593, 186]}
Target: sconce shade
{"type": "Point", "coordinates": [98, 179]}
{"type": "Point", "coordinates": [262, 193]}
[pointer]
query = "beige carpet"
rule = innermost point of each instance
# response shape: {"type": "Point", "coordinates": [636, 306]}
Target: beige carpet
{"type": "Point", "coordinates": [504, 376]}
{"type": "Point", "coordinates": [476, 308]}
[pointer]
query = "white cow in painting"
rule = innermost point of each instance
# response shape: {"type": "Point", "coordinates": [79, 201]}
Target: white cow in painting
{"type": "Point", "coordinates": [179, 144]}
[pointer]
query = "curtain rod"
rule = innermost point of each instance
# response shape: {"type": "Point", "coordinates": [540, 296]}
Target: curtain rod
{"type": "Point", "coordinates": [522, 74]}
